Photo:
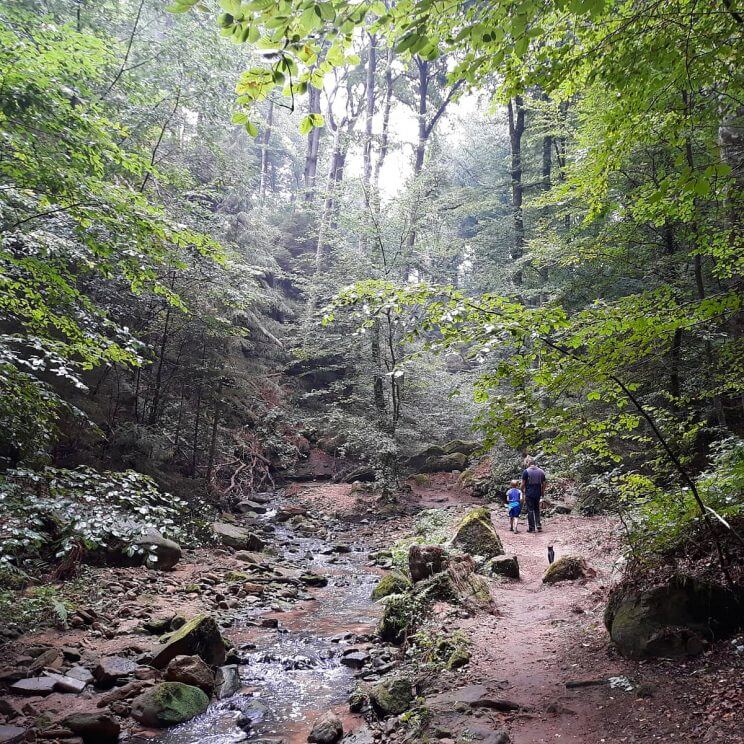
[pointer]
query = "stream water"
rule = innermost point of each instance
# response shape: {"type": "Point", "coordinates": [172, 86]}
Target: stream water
{"type": "Point", "coordinates": [293, 673]}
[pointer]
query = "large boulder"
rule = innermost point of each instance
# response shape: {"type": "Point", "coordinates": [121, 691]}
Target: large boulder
{"type": "Point", "coordinates": [568, 568]}
{"type": "Point", "coordinates": [391, 583]}
{"type": "Point", "coordinates": [159, 552]}
{"type": "Point", "coordinates": [94, 727]}
{"type": "Point", "coordinates": [452, 455]}
{"type": "Point", "coordinates": [169, 703]}
{"type": "Point", "coordinates": [237, 537]}
{"type": "Point", "coordinates": [391, 697]}
{"type": "Point", "coordinates": [458, 585]}
{"type": "Point", "coordinates": [476, 535]}
{"type": "Point", "coordinates": [672, 619]}
{"type": "Point", "coordinates": [327, 729]}
{"type": "Point", "coordinates": [191, 670]}
{"type": "Point", "coordinates": [425, 561]}
{"type": "Point", "coordinates": [198, 637]}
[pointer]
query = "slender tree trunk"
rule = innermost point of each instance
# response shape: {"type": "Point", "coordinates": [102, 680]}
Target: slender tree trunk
{"type": "Point", "coordinates": [313, 146]}
{"type": "Point", "coordinates": [385, 130]}
{"type": "Point", "coordinates": [213, 437]}
{"type": "Point", "coordinates": [265, 137]}
{"type": "Point", "coordinates": [515, 110]}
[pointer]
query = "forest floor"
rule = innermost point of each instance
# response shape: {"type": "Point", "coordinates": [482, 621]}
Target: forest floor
{"type": "Point", "coordinates": [290, 638]}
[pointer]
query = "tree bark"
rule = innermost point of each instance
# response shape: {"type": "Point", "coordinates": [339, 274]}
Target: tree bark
{"type": "Point", "coordinates": [515, 110]}
{"type": "Point", "coordinates": [265, 137]}
{"type": "Point", "coordinates": [313, 147]}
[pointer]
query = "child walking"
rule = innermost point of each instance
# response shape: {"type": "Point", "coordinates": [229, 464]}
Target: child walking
{"type": "Point", "coordinates": [514, 502]}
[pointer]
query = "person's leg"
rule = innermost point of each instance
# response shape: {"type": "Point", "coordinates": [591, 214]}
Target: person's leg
{"type": "Point", "coordinates": [530, 515]}
{"type": "Point", "coordinates": [538, 524]}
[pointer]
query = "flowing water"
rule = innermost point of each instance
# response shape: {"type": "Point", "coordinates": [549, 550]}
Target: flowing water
{"type": "Point", "coordinates": [293, 673]}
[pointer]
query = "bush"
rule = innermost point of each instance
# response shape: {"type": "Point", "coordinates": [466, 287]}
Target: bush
{"type": "Point", "coordinates": [55, 512]}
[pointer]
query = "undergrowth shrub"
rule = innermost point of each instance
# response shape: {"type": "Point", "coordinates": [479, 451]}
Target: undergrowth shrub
{"type": "Point", "coordinates": [56, 512]}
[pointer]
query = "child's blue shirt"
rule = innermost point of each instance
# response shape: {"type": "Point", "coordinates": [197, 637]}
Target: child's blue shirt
{"type": "Point", "coordinates": [514, 495]}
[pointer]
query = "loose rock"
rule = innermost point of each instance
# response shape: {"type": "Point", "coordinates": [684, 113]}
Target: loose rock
{"type": "Point", "coordinates": [198, 637]}
{"type": "Point", "coordinates": [191, 670]}
{"type": "Point", "coordinates": [328, 729]}
{"type": "Point", "coordinates": [476, 535]}
{"type": "Point", "coordinates": [169, 703]}
{"type": "Point", "coordinates": [94, 727]}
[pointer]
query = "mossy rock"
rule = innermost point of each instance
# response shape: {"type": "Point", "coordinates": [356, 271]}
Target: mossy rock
{"type": "Point", "coordinates": [198, 637]}
{"type": "Point", "coordinates": [460, 657]}
{"type": "Point", "coordinates": [672, 619]}
{"type": "Point", "coordinates": [169, 703]}
{"type": "Point", "coordinates": [445, 463]}
{"type": "Point", "coordinates": [503, 565]}
{"type": "Point", "coordinates": [391, 697]}
{"type": "Point", "coordinates": [567, 568]}
{"type": "Point", "coordinates": [461, 446]}
{"type": "Point", "coordinates": [400, 617]}
{"type": "Point", "coordinates": [475, 534]}
{"type": "Point", "coordinates": [391, 583]}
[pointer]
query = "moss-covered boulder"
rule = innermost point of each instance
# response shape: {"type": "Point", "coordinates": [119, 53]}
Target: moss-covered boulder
{"type": "Point", "coordinates": [476, 535]}
{"type": "Point", "coordinates": [391, 583]}
{"type": "Point", "coordinates": [567, 568]}
{"type": "Point", "coordinates": [672, 619]}
{"type": "Point", "coordinates": [391, 697]}
{"type": "Point", "coordinates": [169, 703]}
{"type": "Point", "coordinates": [445, 463]}
{"type": "Point", "coordinates": [458, 585]}
{"type": "Point", "coordinates": [400, 617]}
{"type": "Point", "coordinates": [198, 637]}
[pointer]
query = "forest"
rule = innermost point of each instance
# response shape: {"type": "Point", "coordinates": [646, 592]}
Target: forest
{"type": "Point", "coordinates": [371, 371]}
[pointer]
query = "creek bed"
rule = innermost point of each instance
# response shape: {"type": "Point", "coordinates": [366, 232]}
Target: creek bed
{"type": "Point", "coordinates": [294, 673]}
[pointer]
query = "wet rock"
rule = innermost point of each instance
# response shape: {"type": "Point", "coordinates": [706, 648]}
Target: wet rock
{"type": "Point", "coordinates": [112, 669]}
{"type": "Point", "coordinates": [94, 727]}
{"type": "Point", "coordinates": [33, 686]}
{"type": "Point", "coordinates": [391, 697]}
{"type": "Point", "coordinates": [237, 537]}
{"type": "Point", "coordinates": [191, 670]}
{"type": "Point", "coordinates": [310, 578]}
{"type": "Point", "coordinates": [355, 659]}
{"type": "Point", "coordinates": [362, 735]}
{"type": "Point", "coordinates": [226, 681]}
{"type": "Point", "coordinates": [475, 534]}
{"type": "Point", "coordinates": [198, 637]}
{"type": "Point", "coordinates": [159, 552]}
{"type": "Point", "coordinates": [328, 729]}
{"type": "Point", "coordinates": [504, 565]}
{"type": "Point", "coordinates": [169, 703]}
{"type": "Point", "coordinates": [248, 505]}
{"type": "Point", "coordinates": [568, 568]}
{"type": "Point", "coordinates": [392, 583]}
{"type": "Point", "coordinates": [12, 734]}
{"type": "Point", "coordinates": [425, 561]}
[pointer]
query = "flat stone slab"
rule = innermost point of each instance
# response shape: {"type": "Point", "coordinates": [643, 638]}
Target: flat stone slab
{"type": "Point", "coordinates": [476, 696]}
{"type": "Point", "coordinates": [12, 734]}
{"type": "Point", "coordinates": [33, 686]}
{"type": "Point", "coordinates": [64, 683]}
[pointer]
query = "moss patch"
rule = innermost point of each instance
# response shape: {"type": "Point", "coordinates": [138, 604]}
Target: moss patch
{"type": "Point", "coordinates": [392, 583]}
{"type": "Point", "coordinates": [476, 535]}
{"type": "Point", "coordinates": [169, 703]}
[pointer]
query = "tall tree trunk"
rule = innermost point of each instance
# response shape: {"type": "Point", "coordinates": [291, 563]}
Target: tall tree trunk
{"type": "Point", "coordinates": [265, 137]}
{"type": "Point", "coordinates": [313, 146]}
{"type": "Point", "coordinates": [385, 129]}
{"type": "Point", "coordinates": [515, 110]}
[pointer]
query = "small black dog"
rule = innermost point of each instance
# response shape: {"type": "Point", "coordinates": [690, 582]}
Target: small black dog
{"type": "Point", "coordinates": [551, 554]}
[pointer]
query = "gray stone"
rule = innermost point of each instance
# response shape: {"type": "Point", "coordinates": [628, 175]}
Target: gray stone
{"type": "Point", "coordinates": [328, 729]}
{"type": "Point", "coordinates": [63, 683]}
{"type": "Point", "coordinates": [248, 505]}
{"type": "Point", "coordinates": [33, 686]}
{"type": "Point", "coordinates": [392, 696]}
{"type": "Point", "coordinates": [112, 669]}
{"type": "Point", "coordinates": [226, 681]}
{"type": "Point", "coordinates": [12, 734]}
{"type": "Point", "coordinates": [81, 673]}
{"type": "Point", "coordinates": [160, 553]}
{"type": "Point", "coordinates": [237, 537]}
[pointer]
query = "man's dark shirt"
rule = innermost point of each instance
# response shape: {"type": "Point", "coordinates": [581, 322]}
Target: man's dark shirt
{"type": "Point", "coordinates": [533, 478]}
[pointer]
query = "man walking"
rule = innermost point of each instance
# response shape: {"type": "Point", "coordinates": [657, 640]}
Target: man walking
{"type": "Point", "coordinates": [533, 487]}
